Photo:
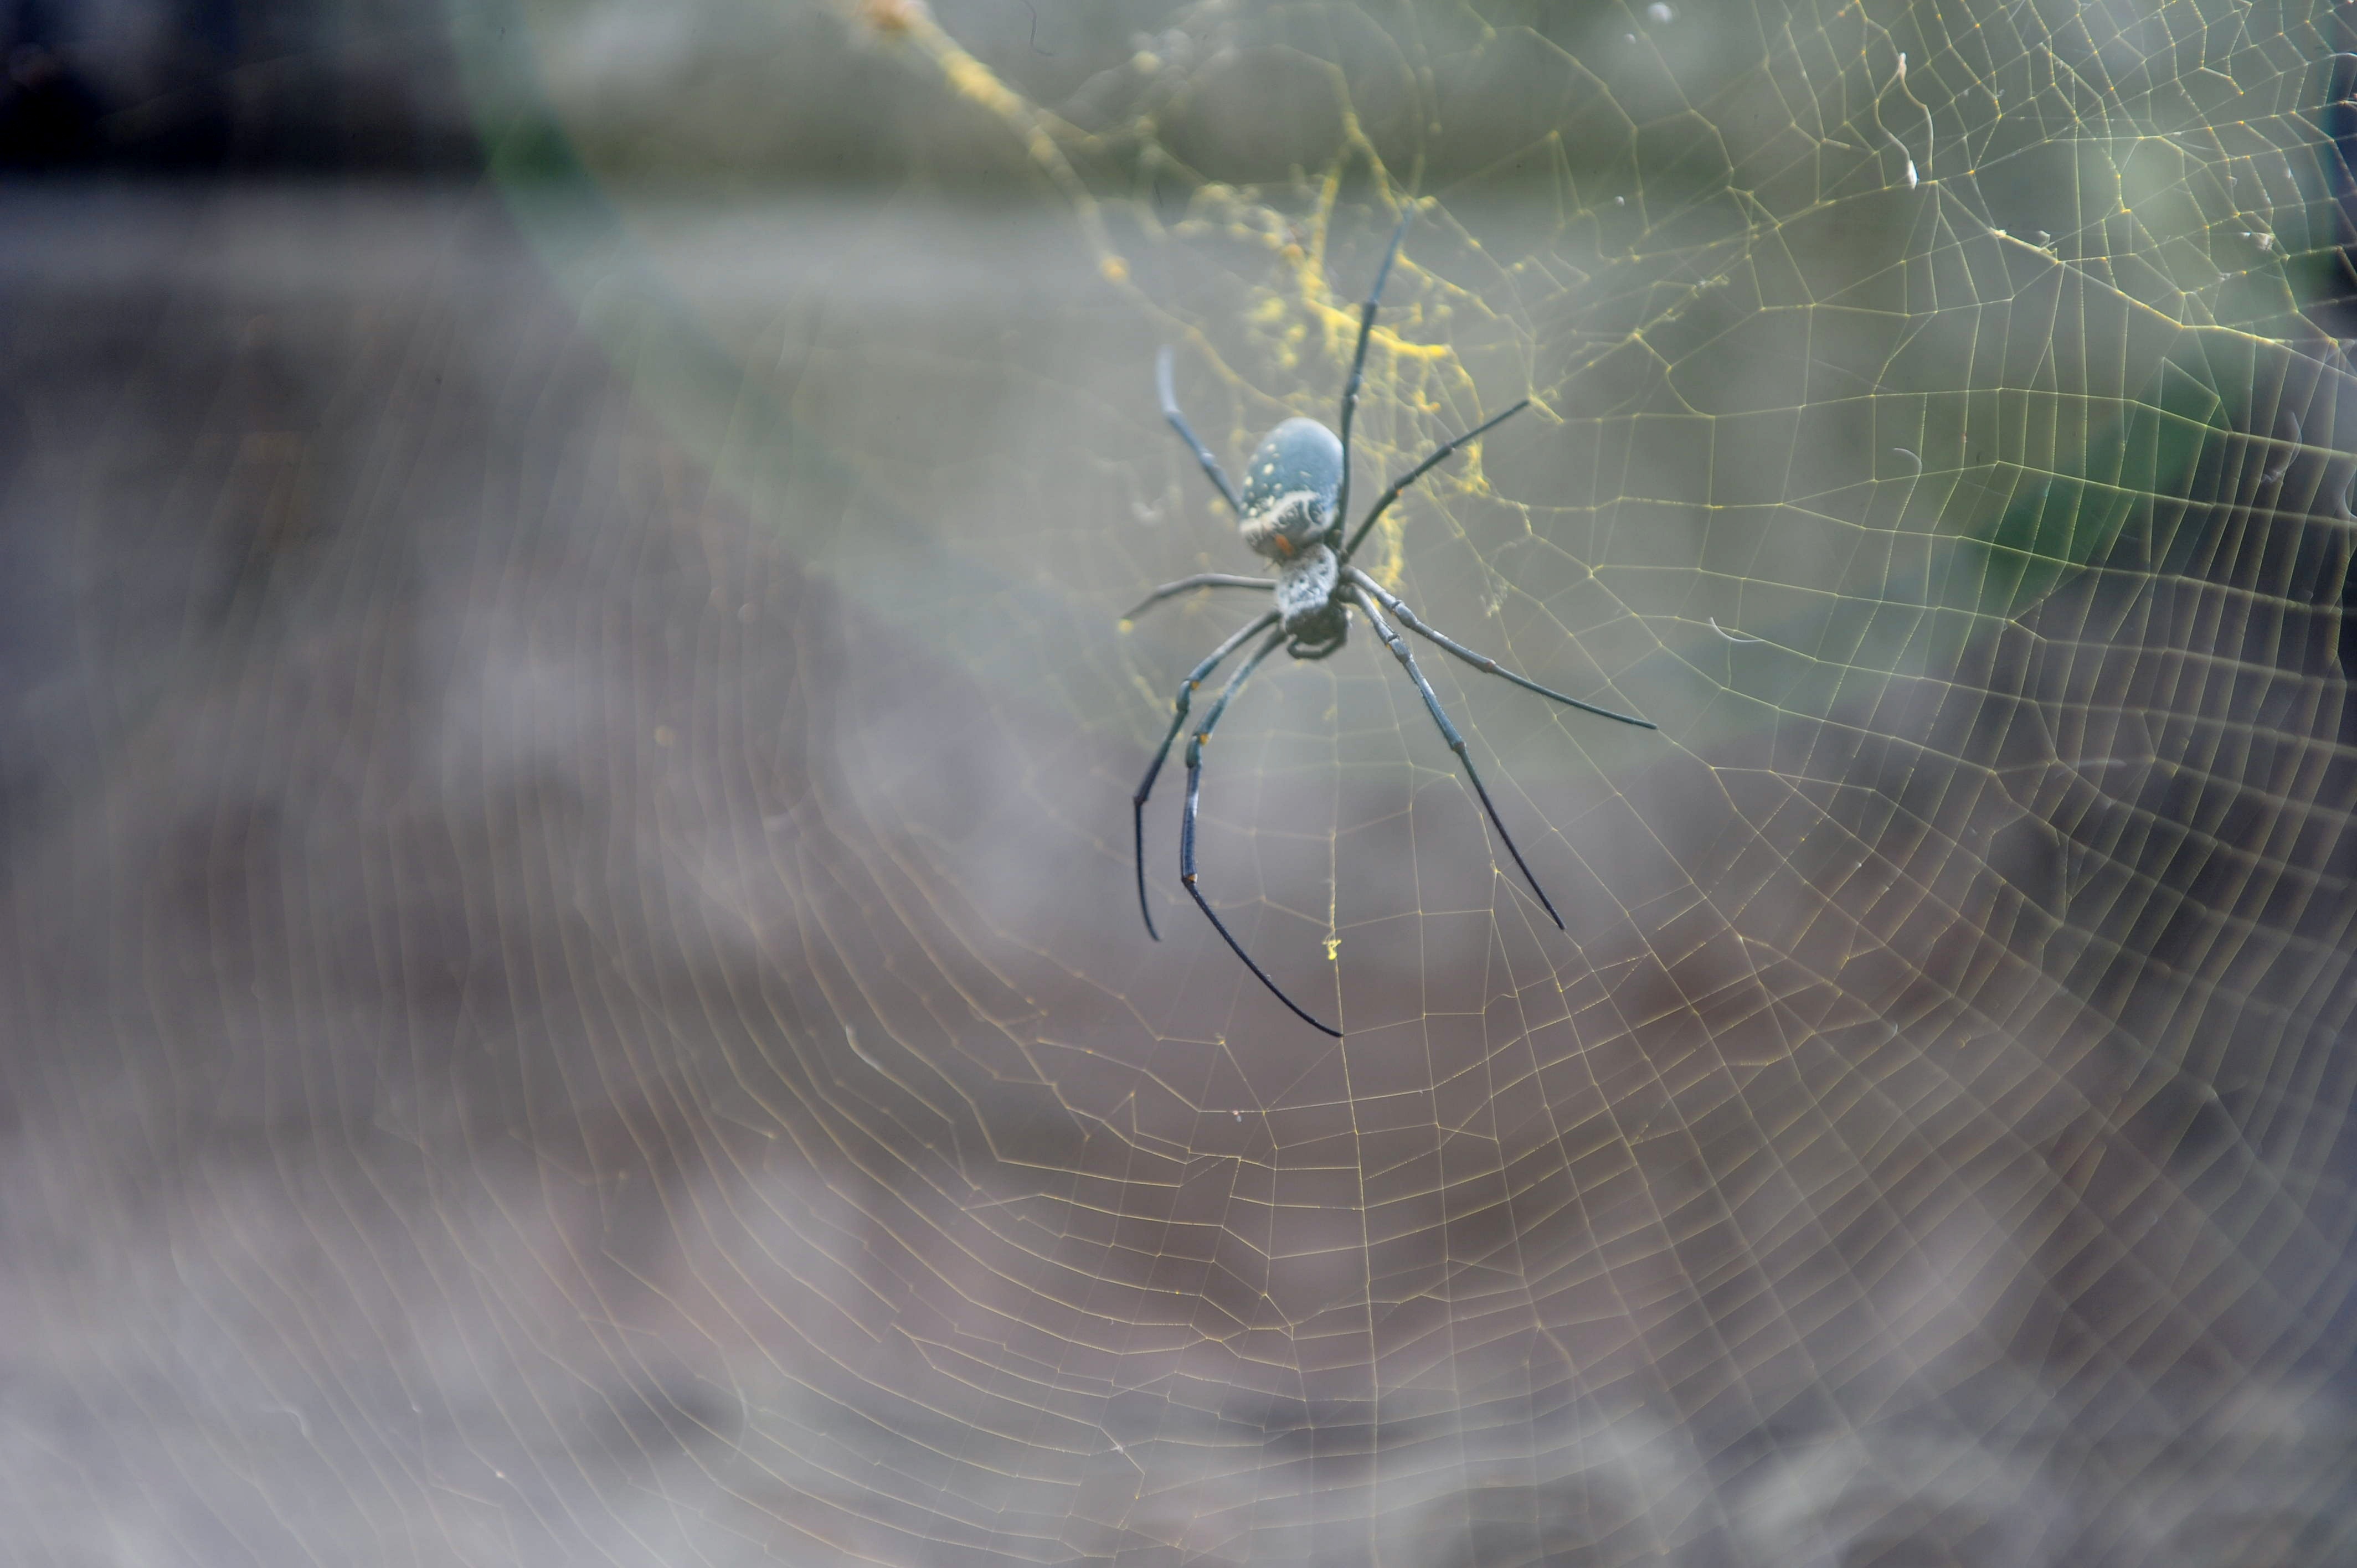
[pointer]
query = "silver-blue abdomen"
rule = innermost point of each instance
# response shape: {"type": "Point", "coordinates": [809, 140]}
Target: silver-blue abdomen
{"type": "Point", "coordinates": [1290, 487]}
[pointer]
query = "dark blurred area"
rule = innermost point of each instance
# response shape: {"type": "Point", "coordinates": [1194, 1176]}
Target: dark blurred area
{"type": "Point", "coordinates": [212, 88]}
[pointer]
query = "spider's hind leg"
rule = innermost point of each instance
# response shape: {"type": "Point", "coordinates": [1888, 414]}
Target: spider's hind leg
{"type": "Point", "coordinates": [1212, 469]}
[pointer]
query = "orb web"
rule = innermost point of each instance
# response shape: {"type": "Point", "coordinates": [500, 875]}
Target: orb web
{"type": "Point", "coordinates": [714, 1098]}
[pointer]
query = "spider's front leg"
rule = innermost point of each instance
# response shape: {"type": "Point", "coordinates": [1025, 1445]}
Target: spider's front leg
{"type": "Point", "coordinates": [1400, 650]}
{"type": "Point", "coordinates": [1482, 661]}
{"type": "Point", "coordinates": [1187, 827]}
{"type": "Point", "coordinates": [1185, 699]}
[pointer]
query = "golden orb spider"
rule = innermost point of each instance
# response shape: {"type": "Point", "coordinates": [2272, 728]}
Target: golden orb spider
{"type": "Point", "coordinates": [1296, 498]}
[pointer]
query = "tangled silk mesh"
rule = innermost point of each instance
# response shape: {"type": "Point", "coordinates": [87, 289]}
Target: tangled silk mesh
{"type": "Point", "coordinates": [1931, 1145]}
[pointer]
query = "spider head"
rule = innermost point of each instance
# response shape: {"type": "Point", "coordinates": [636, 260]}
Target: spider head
{"type": "Point", "coordinates": [1315, 623]}
{"type": "Point", "coordinates": [1289, 488]}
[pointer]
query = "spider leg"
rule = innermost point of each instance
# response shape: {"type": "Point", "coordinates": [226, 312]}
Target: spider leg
{"type": "Point", "coordinates": [1195, 678]}
{"type": "Point", "coordinates": [1187, 432]}
{"type": "Point", "coordinates": [1480, 661]}
{"type": "Point", "coordinates": [1399, 648]}
{"type": "Point", "coordinates": [1187, 825]}
{"type": "Point", "coordinates": [1199, 580]}
{"type": "Point", "coordinates": [1440, 454]}
{"type": "Point", "coordinates": [1358, 359]}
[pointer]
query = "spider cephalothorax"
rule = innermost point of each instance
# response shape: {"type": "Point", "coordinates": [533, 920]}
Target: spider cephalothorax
{"type": "Point", "coordinates": [1296, 498]}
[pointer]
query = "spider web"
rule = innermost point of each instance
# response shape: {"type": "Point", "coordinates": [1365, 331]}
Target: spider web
{"type": "Point", "coordinates": [708, 1060]}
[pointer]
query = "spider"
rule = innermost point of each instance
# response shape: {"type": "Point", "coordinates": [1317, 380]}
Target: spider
{"type": "Point", "coordinates": [1295, 499]}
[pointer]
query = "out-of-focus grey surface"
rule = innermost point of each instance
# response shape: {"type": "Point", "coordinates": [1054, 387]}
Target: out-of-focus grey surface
{"type": "Point", "coordinates": [724, 94]}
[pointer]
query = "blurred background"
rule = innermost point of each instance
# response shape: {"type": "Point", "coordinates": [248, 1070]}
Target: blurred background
{"type": "Point", "coordinates": [570, 984]}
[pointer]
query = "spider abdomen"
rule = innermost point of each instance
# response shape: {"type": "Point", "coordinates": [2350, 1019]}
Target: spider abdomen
{"type": "Point", "coordinates": [1290, 488]}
